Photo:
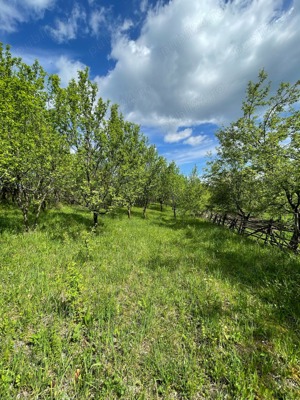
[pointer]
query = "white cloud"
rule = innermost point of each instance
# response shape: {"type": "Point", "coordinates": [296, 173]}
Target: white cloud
{"type": "Point", "coordinates": [68, 28]}
{"type": "Point", "coordinates": [127, 24]}
{"type": "Point", "coordinates": [144, 5]}
{"type": "Point", "coordinates": [178, 136]}
{"type": "Point", "coordinates": [59, 64]}
{"type": "Point", "coordinates": [97, 20]}
{"type": "Point", "coordinates": [67, 69]}
{"type": "Point", "coordinates": [15, 12]}
{"type": "Point", "coordinates": [182, 157]}
{"type": "Point", "coordinates": [9, 17]}
{"type": "Point", "coordinates": [194, 58]}
{"type": "Point", "coordinates": [195, 140]}
{"type": "Point", "coordinates": [38, 4]}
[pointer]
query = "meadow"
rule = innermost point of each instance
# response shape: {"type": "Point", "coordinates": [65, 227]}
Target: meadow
{"type": "Point", "coordinates": [151, 308]}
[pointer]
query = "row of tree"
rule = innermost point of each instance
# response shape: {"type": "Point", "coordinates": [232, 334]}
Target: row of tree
{"type": "Point", "coordinates": [67, 144]}
{"type": "Point", "coordinates": [257, 168]}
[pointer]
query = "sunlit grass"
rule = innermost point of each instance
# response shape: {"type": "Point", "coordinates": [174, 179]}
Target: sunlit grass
{"type": "Point", "coordinates": [144, 309]}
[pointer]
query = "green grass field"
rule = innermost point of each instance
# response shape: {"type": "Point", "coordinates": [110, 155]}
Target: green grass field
{"type": "Point", "coordinates": [144, 309]}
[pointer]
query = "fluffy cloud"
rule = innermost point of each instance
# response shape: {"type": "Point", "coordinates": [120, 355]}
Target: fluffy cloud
{"type": "Point", "coordinates": [62, 65]}
{"type": "Point", "coordinates": [67, 29]}
{"type": "Point", "coordinates": [97, 20]}
{"type": "Point", "coordinates": [193, 59]}
{"type": "Point", "coordinates": [144, 5]}
{"type": "Point", "coordinates": [80, 21]}
{"type": "Point", "coordinates": [127, 24]}
{"type": "Point", "coordinates": [18, 11]}
{"type": "Point", "coordinates": [178, 136]}
{"type": "Point", "coordinates": [38, 4]}
{"type": "Point", "coordinates": [196, 140]}
{"type": "Point", "coordinates": [67, 69]}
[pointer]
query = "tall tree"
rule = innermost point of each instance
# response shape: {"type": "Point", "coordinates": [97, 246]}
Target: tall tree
{"type": "Point", "coordinates": [193, 197]}
{"type": "Point", "coordinates": [152, 168]}
{"type": "Point", "coordinates": [83, 118]}
{"type": "Point", "coordinates": [32, 154]}
{"type": "Point", "coordinates": [176, 185]}
{"type": "Point", "coordinates": [131, 171]}
{"type": "Point", "coordinates": [263, 148]}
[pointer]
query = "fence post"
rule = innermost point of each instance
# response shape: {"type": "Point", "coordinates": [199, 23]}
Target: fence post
{"type": "Point", "coordinates": [224, 219]}
{"type": "Point", "coordinates": [269, 232]}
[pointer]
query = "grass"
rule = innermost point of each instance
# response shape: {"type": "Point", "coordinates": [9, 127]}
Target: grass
{"type": "Point", "coordinates": [144, 309]}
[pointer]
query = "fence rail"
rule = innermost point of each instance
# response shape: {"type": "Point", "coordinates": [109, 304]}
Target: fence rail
{"type": "Point", "coordinates": [270, 231]}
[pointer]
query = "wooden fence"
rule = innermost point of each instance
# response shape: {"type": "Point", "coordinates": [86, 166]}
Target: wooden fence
{"type": "Point", "coordinates": [270, 231]}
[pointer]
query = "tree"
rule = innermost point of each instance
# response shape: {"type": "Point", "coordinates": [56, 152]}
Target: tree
{"type": "Point", "coordinates": [32, 154]}
{"type": "Point", "coordinates": [131, 171]}
{"type": "Point", "coordinates": [175, 184]}
{"type": "Point", "coordinates": [273, 143]}
{"type": "Point", "coordinates": [83, 119]}
{"type": "Point", "coordinates": [162, 189]}
{"type": "Point", "coordinates": [261, 151]}
{"type": "Point", "coordinates": [192, 200]}
{"type": "Point", "coordinates": [152, 167]}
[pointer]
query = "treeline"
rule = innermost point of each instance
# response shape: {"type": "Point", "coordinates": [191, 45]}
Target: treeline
{"type": "Point", "coordinates": [68, 145]}
{"type": "Point", "coordinates": [257, 168]}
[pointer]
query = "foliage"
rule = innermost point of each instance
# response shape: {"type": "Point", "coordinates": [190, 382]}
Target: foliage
{"type": "Point", "coordinates": [257, 166]}
{"type": "Point", "coordinates": [33, 156]}
{"type": "Point", "coordinates": [194, 195]}
{"type": "Point", "coordinates": [67, 144]}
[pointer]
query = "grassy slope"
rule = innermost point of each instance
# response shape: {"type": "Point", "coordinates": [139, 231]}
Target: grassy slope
{"type": "Point", "coordinates": [144, 309]}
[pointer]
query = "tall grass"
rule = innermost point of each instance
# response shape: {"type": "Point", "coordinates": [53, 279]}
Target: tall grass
{"type": "Point", "coordinates": [144, 309]}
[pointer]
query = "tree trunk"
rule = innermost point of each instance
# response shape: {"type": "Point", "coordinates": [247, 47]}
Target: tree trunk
{"type": "Point", "coordinates": [174, 211]}
{"type": "Point", "coordinates": [224, 219]}
{"type": "Point", "coordinates": [37, 214]}
{"type": "Point", "coordinates": [4, 192]}
{"type": "Point", "coordinates": [23, 204]}
{"type": "Point", "coordinates": [42, 206]}
{"type": "Point", "coordinates": [25, 218]}
{"type": "Point", "coordinates": [233, 223]}
{"type": "Point", "coordinates": [95, 215]}
{"type": "Point", "coordinates": [294, 242]}
{"type": "Point", "coordinates": [145, 209]}
{"type": "Point", "coordinates": [161, 205]}
{"type": "Point", "coordinates": [129, 211]}
{"type": "Point", "coordinates": [269, 232]}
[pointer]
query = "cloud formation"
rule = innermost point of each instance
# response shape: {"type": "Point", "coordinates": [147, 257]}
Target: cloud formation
{"type": "Point", "coordinates": [193, 59]}
{"type": "Point", "coordinates": [196, 140]}
{"type": "Point", "coordinates": [97, 20]}
{"type": "Point", "coordinates": [64, 66]}
{"type": "Point", "coordinates": [12, 13]}
{"type": "Point", "coordinates": [178, 136]}
{"type": "Point", "coordinates": [67, 29]}
{"type": "Point", "coordinates": [67, 69]}
{"type": "Point", "coordinates": [192, 155]}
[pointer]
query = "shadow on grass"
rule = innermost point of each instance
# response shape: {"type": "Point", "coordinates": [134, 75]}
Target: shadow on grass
{"type": "Point", "coordinates": [11, 219]}
{"type": "Point", "coordinates": [56, 221]}
{"type": "Point", "coordinates": [270, 274]}
{"type": "Point", "coordinates": [159, 262]}
{"type": "Point", "coordinates": [60, 223]}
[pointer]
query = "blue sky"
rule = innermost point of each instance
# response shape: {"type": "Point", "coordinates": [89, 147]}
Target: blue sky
{"type": "Point", "coordinates": [178, 68]}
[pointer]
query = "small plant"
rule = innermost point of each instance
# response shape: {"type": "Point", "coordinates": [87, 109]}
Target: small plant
{"type": "Point", "coordinates": [71, 302]}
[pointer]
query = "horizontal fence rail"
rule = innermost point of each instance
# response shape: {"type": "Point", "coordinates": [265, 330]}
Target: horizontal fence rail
{"type": "Point", "coordinates": [270, 231]}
